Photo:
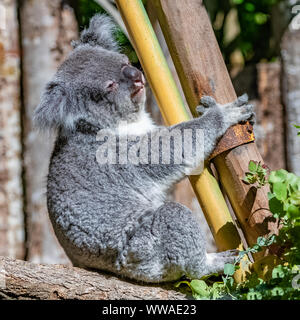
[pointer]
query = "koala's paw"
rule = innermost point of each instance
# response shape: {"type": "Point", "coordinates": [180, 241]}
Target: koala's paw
{"type": "Point", "coordinates": [228, 256]}
{"type": "Point", "coordinates": [238, 111]}
{"type": "Point", "coordinates": [217, 261]}
{"type": "Point", "coordinates": [206, 103]}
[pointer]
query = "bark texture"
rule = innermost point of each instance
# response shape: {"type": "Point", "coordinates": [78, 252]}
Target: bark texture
{"type": "Point", "coordinates": [11, 204]}
{"type": "Point", "coordinates": [290, 51]}
{"type": "Point", "coordinates": [25, 280]}
{"type": "Point", "coordinates": [270, 119]}
{"type": "Point", "coordinates": [202, 71]}
{"type": "Point", "coordinates": [47, 29]}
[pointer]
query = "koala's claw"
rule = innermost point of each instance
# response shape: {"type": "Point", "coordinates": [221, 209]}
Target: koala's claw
{"type": "Point", "coordinates": [205, 103]}
{"type": "Point", "coordinates": [239, 111]}
{"type": "Point", "coordinates": [242, 100]}
{"type": "Point", "coordinates": [208, 101]}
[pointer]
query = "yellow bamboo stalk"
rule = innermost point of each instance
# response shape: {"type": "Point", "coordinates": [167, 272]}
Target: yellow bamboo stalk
{"type": "Point", "coordinates": [173, 111]}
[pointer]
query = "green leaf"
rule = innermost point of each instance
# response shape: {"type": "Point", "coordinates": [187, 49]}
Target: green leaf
{"type": "Point", "coordinates": [217, 290]}
{"type": "Point", "coordinates": [250, 7]}
{"type": "Point", "coordinates": [293, 181]}
{"type": "Point", "coordinates": [229, 269]}
{"type": "Point", "coordinates": [255, 248]}
{"type": "Point", "coordinates": [293, 211]}
{"type": "Point", "coordinates": [261, 241]}
{"type": "Point", "coordinates": [270, 240]}
{"type": "Point", "coordinates": [278, 176]}
{"type": "Point", "coordinates": [295, 198]}
{"type": "Point", "coordinates": [280, 190]}
{"type": "Point", "coordinates": [271, 195]}
{"type": "Point", "coordinates": [261, 18]}
{"type": "Point", "coordinates": [276, 206]}
{"type": "Point", "coordinates": [200, 288]}
{"type": "Point", "coordinates": [252, 166]}
{"type": "Point", "coordinates": [250, 178]}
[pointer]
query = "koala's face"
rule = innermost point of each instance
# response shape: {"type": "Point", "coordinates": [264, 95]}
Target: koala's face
{"type": "Point", "coordinates": [106, 78]}
{"type": "Point", "coordinates": [106, 81]}
{"type": "Point", "coordinates": [95, 83]}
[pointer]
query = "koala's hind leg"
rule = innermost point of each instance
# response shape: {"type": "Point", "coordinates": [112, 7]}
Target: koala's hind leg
{"type": "Point", "coordinates": [169, 244]}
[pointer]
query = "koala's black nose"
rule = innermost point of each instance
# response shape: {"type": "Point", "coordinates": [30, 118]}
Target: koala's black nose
{"type": "Point", "coordinates": [132, 73]}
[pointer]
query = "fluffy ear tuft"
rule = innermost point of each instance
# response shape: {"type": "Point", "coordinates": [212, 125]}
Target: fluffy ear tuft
{"type": "Point", "coordinates": [54, 110]}
{"type": "Point", "coordinates": [101, 32]}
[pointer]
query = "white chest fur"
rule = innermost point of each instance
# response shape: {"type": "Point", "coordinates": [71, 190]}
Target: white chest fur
{"type": "Point", "coordinates": [143, 125]}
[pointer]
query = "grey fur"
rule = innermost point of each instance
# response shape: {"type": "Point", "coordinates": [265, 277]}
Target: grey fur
{"type": "Point", "coordinates": [116, 217]}
{"type": "Point", "coordinates": [101, 33]}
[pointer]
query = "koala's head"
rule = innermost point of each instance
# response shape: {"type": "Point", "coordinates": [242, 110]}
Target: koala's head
{"type": "Point", "coordinates": [95, 83]}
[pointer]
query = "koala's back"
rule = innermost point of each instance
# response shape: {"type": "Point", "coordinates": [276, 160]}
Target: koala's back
{"type": "Point", "coordinates": [94, 208]}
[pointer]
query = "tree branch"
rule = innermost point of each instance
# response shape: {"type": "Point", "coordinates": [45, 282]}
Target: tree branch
{"type": "Point", "coordinates": [26, 280]}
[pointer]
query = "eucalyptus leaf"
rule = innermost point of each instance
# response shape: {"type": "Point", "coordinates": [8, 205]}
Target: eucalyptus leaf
{"type": "Point", "coordinates": [229, 269]}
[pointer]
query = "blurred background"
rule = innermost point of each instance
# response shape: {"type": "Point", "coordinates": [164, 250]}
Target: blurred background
{"type": "Point", "coordinates": [260, 42]}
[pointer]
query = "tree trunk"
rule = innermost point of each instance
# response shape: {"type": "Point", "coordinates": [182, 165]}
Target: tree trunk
{"type": "Point", "coordinates": [25, 280]}
{"type": "Point", "coordinates": [290, 50]}
{"type": "Point", "coordinates": [269, 115]}
{"type": "Point", "coordinates": [11, 204]}
{"type": "Point", "coordinates": [202, 71]}
{"type": "Point", "coordinates": [47, 29]}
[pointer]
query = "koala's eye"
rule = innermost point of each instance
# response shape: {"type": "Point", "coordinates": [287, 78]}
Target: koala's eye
{"type": "Point", "coordinates": [111, 86]}
{"type": "Point", "coordinates": [96, 96]}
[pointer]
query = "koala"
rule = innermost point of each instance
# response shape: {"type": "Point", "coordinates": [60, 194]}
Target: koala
{"type": "Point", "coordinates": [116, 217]}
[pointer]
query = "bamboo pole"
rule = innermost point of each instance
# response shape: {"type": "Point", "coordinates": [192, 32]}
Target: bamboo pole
{"type": "Point", "coordinates": [173, 111]}
{"type": "Point", "coordinates": [202, 71]}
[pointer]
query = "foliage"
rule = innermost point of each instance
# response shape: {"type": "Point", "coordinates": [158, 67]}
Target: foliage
{"type": "Point", "coordinates": [284, 203]}
{"type": "Point", "coordinates": [257, 174]}
{"type": "Point", "coordinates": [298, 127]}
{"type": "Point", "coordinates": [258, 36]}
{"type": "Point", "coordinates": [259, 39]}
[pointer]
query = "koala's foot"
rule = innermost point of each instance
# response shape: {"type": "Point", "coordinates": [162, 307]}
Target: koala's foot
{"type": "Point", "coordinates": [233, 113]}
{"type": "Point", "coordinates": [215, 262]}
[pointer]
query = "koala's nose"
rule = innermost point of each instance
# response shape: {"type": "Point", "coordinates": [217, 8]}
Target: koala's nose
{"type": "Point", "coordinates": [132, 73]}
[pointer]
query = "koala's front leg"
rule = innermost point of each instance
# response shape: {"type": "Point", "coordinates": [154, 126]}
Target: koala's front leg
{"type": "Point", "coordinates": [215, 119]}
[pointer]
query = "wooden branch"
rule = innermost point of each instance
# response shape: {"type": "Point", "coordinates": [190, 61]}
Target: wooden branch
{"type": "Point", "coordinates": [25, 280]}
{"type": "Point", "coordinates": [269, 116]}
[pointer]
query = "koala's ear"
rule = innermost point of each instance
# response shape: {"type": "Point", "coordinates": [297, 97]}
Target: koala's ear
{"type": "Point", "coordinates": [55, 109]}
{"type": "Point", "coordinates": [101, 32]}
